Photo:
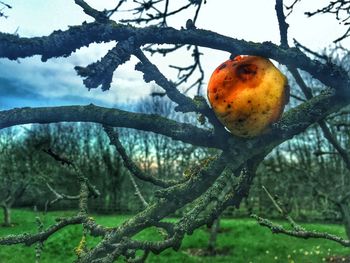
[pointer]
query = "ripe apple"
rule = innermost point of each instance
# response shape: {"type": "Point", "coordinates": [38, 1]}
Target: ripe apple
{"type": "Point", "coordinates": [248, 94]}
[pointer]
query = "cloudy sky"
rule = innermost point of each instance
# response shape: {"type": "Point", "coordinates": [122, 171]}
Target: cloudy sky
{"type": "Point", "coordinates": [29, 82]}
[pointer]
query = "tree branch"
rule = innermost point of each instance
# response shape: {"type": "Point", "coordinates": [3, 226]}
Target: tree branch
{"type": "Point", "coordinates": [298, 231]}
{"type": "Point", "coordinates": [223, 193]}
{"type": "Point", "coordinates": [97, 15]}
{"type": "Point", "coordinates": [278, 229]}
{"type": "Point", "coordinates": [63, 43]}
{"type": "Point", "coordinates": [293, 122]}
{"type": "Point", "coordinates": [341, 10]}
{"type": "Point", "coordinates": [138, 192]}
{"type": "Point", "coordinates": [59, 196]}
{"type": "Point", "coordinates": [129, 164]}
{"type": "Point", "coordinates": [101, 72]}
{"type": "Point", "coordinates": [151, 72]}
{"type": "Point", "coordinates": [283, 212]}
{"type": "Point", "coordinates": [185, 104]}
{"type": "Point", "coordinates": [283, 26]}
{"type": "Point", "coordinates": [110, 117]}
{"type": "Point", "coordinates": [161, 207]}
{"type": "Point", "coordinates": [208, 184]}
{"type": "Point", "coordinates": [29, 239]}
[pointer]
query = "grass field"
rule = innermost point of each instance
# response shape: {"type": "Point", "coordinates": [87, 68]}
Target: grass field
{"type": "Point", "coordinates": [243, 239]}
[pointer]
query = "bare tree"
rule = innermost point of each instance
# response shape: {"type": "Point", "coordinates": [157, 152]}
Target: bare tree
{"type": "Point", "coordinates": [16, 177]}
{"type": "Point", "coordinates": [221, 180]}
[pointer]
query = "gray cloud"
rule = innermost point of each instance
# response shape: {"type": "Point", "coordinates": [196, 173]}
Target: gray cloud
{"type": "Point", "coordinates": [31, 82]}
{"type": "Point", "coordinates": [13, 94]}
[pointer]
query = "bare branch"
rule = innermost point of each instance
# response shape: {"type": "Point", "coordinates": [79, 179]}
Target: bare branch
{"type": "Point", "coordinates": [59, 196]}
{"type": "Point", "coordinates": [293, 122]}
{"type": "Point", "coordinates": [298, 231]}
{"type": "Point", "coordinates": [335, 143]}
{"type": "Point", "coordinates": [137, 191]}
{"type": "Point", "coordinates": [282, 211]}
{"type": "Point", "coordinates": [97, 15]}
{"type": "Point", "coordinates": [345, 35]}
{"type": "Point", "coordinates": [186, 104]}
{"type": "Point", "coordinates": [29, 239]}
{"type": "Point", "coordinates": [109, 13]}
{"type": "Point", "coordinates": [5, 4]}
{"type": "Point", "coordinates": [178, 196]}
{"type": "Point", "coordinates": [151, 72]}
{"type": "Point", "coordinates": [14, 47]}
{"type": "Point", "coordinates": [297, 97]}
{"type": "Point", "coordinates": [184, 73]}
{"type": "Point", "coordinates": [283, 26]}
{"type": "Point", "coordinates": [340, 8]}
{"type": "Point", "coordinates": [129, 164]}
{"type": "Point", "coordinates": [319, 153]}
{"type": "Point", "coordinates": [159, 16]}
{"type": "Point", "coordinates": [308, 50]}
{"type": "Point", "coordinates": [278, 229]}
{"type": "Point", "coordinates": [291, 7]}
{"type": "Point", "coordinates": [191, 220]}
{"type": "Point", "coordinates": [110, 117]}
{"type": "Point", "coordinates": [212, 187]}
{"type": "Point", "coordinates": [163, 51]}
{"type": "Point", "coordinates": [56, 157]}
{"type": "Point", "coordinates": [101, 72]}
{"type": "Point", "coordinates": [92, 190]}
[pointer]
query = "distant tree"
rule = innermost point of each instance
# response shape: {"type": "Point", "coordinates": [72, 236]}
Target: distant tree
{"type": "Point", "coordinates": [18, 166]}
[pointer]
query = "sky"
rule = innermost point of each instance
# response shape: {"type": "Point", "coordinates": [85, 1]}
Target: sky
{"type": "Point", "coordinates": [30, 82]}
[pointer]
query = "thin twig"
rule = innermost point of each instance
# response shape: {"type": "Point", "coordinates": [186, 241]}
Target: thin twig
{"type": "Point", "coordinates": [283, 212]}
{"type": "Point", "coordinates": [283, 26]}
{"type": "Point", "coordinates": [138, 192]}
{"type": "Point", "coordinates": [130, 165]}
{"type": "Point", "coordinates": [58, 197]}
{"type": "Point", "coordinates": [97, 15]}
{"type": "Point", "coordinates": [278, 229]}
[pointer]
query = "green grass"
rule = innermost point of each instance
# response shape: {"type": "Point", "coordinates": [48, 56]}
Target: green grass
{"type": "Point", "coordinates": [242, 238]}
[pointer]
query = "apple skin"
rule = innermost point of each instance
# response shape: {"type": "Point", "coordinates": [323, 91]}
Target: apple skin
{"type": "Point", "coordinates": [248, 94]}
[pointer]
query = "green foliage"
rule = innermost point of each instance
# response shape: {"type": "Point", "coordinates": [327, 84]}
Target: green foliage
{"type": "Point", "coordinates": [243, 239]}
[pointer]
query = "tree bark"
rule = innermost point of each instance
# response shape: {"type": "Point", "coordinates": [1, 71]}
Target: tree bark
{"type": "Point", "coordinates": [345, 211]}
{"type": "Point", "coordinates": [7, 215]}
{"type": "Point", "coordinates": [213, 237]}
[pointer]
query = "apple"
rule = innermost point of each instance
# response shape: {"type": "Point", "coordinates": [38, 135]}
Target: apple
{"type": "Point", "coordinates": [248, 94]}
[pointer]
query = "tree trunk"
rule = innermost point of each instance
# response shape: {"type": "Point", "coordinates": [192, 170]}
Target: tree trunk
{"type": "Point", "coordinates": [249, 206]}
{"type": "Point", "coordinates": [7, 215]}
{"type": "Point", "coordinates": [345, 211]}
{"type": "Point", "coordinates": [116, 182]}
{"type": "Point", "coordinates": [213, 236]}
{"type": "Point", "coordinates": [260, 206]}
